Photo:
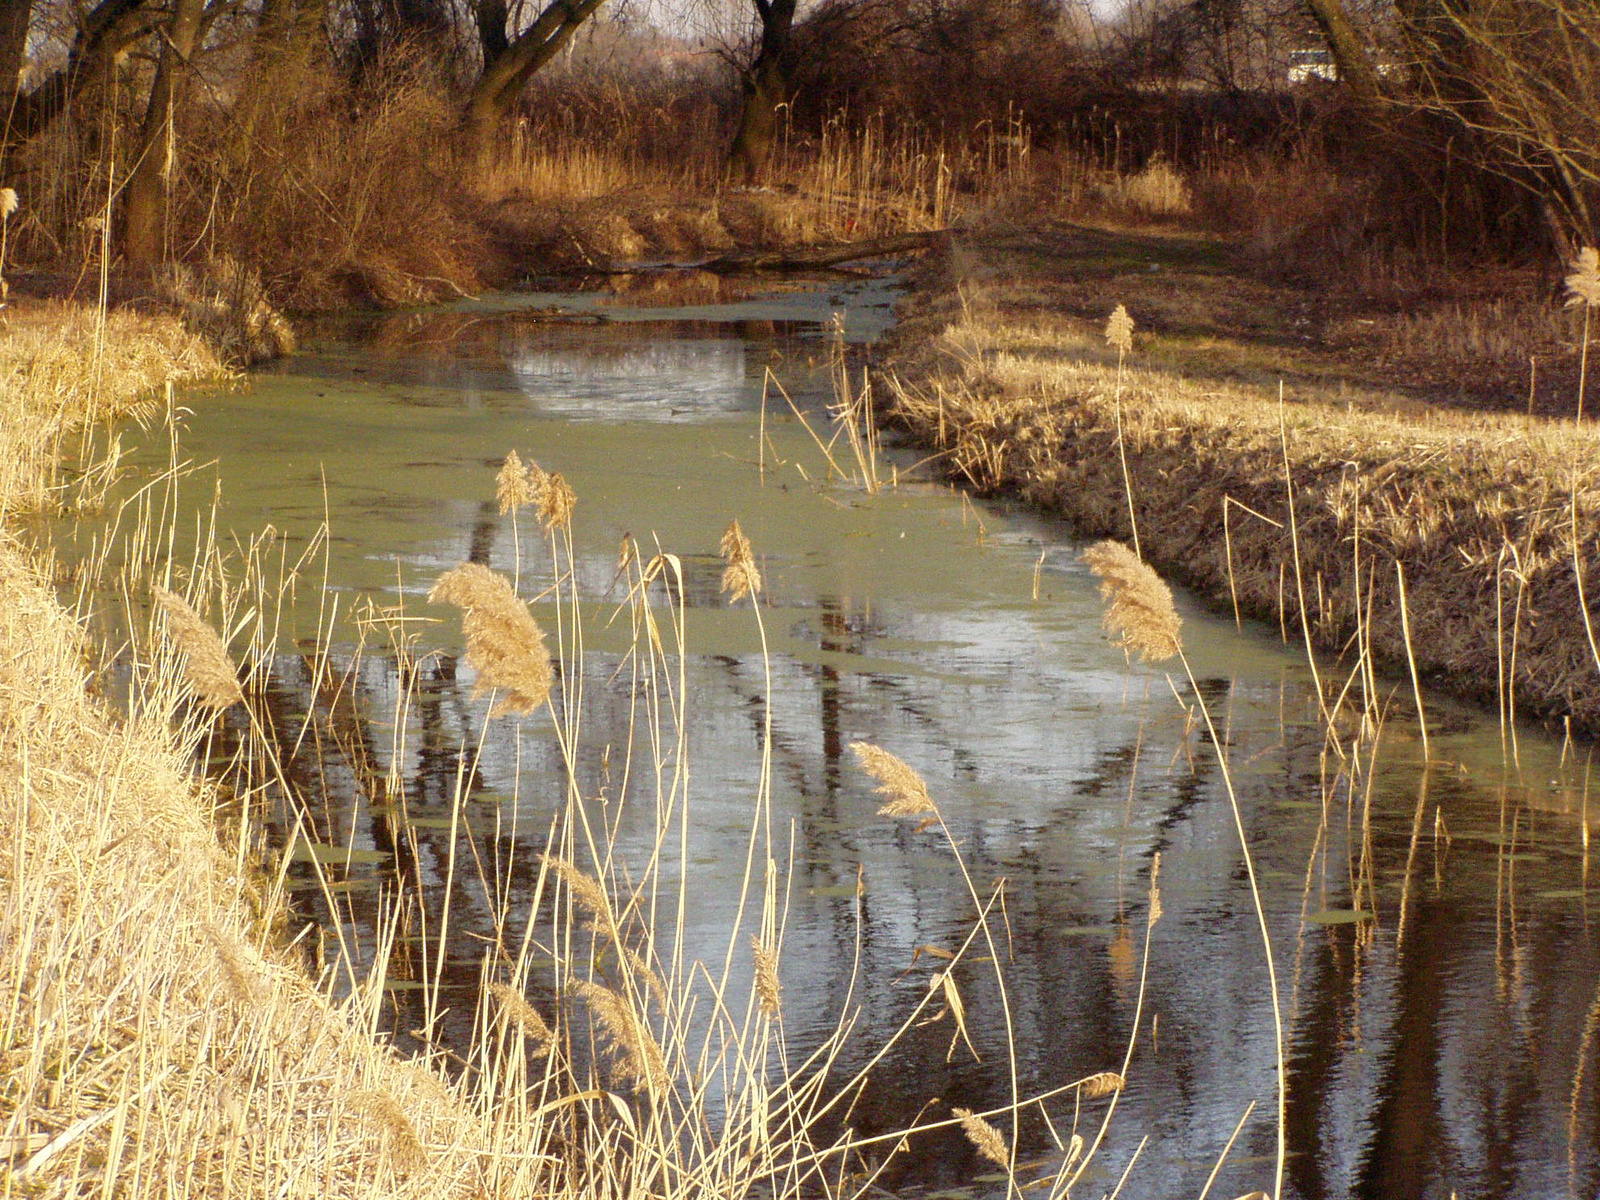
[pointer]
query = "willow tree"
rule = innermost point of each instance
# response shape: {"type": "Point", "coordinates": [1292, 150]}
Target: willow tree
{"type": "Point", "coordinates": [144, 205]}
{"type": "Point", "coordinates": [511, 59]}
{"type": "Point", "coordinates": [764, 89]}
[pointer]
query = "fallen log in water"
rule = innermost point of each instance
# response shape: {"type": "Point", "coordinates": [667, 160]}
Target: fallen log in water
{"type": "Point", "coordinates": [786, 258]}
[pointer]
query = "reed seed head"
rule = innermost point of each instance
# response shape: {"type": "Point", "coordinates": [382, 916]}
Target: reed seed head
{"type": "Point", "coordinates": [1155, 889]}
{"type": "Point", "coordinates": [8, 201]}
{"type": "Point", "coordinates": [586, 891]}
{"type": "Point", "coordinates": [740, 578]}
{"type": "Point", "coordinates": [400, 1136]}
{"type": "Point", "coordinates": [243, 981]}
{"type": "Point", "coordinates": [907, 793]}
{"type": "Point", "coordinates": [524, 1016]}
{"type": "Point", "coordinates": [1119, 329]}
{"type": "Point", "coordinates": [557, 501]}
{"type": "Point", "coordinates": [991, 1143]}
{"type": "Point", "coordinates": [512, 486]}
{"type": "Point", "coordinates": [1139, 610]}
{"type": "Point", "coordinates": [638, 1054]}
{"type": "Point", "coordinates": [1101, 1084]}
{"type": "Point", "coordinates": [1583, 285]}
{"type": "Point", "coordinates": [768, 988]}
{"type": "Point", "coordinates": [504, 642]}
{"type": "Point", "coordinates": [207, 668]}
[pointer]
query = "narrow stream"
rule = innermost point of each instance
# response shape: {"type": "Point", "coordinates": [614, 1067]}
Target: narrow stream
{"type": "Point", "coordinates": [1441, 1026]}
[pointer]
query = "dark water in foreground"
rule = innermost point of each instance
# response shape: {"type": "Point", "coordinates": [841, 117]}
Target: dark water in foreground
{"type": "Point", "coordinates": [1443, 1043]}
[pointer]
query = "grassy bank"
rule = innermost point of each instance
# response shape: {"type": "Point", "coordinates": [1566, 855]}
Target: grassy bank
{"type": "Point", "coordinates": [1303, 512]}
{"type": "Point", "coordinates": [154, 1043]}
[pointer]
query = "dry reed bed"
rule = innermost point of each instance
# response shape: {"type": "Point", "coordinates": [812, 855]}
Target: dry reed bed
{"type": "Point", "coordinates": [65, 367]}
{"type": "Point", "coordinates": [152, 1042]}
{"type": "Point", "coordinates": [1486, 515]}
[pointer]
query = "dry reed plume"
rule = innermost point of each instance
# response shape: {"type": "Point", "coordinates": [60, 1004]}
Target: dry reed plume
{"type": "Point", "coordinates": [991, 1143]}
{"type": "Point", "coordinates": [405, 1149]}
{"type": "Point", "coordinates": [524, 1016]}
{"type": "Point", "coordinates": [638, 1055]}
{"type": "Point", "coordinates": [512, 486]}
{"type": "Point", "coordinates": [8, 206]}
{"type": "Point", "coordinates": [906, 791]}
{"type": "Point", "coordinates": [768, 988]}
{"type": "Point", "coordinates": [557, 500]}
{"type": "Point", "coordinates": [1140, 613]}
{"type": "Point", "coordinates": [1119, 330]}
{"type": "Point", "coordinates": [206, 665]}
{"type": "Point", "coordinates": [1583, 285]}
{"type": "Point", "coordinates": [740, 577]}
{"type": "Point", "coordinates": [504, 642]}
{"type": "Point", "coordinates": [586, 892]}
{"type": "Point", "coordinates": [1102, 1083]}
{"type": "Point", "coordinates": [1155, 890]}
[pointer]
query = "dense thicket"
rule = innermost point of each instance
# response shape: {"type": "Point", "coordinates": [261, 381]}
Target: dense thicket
{"type": "Point", "coordinates": [332, 145]}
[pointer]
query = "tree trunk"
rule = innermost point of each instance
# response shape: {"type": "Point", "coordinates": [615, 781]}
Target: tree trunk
{"type": "Point", "coordinates": [506, 71]}
{"type": "Point", "coordinates": [14, 16]}
{"type": "Point", "coordinates": [145, 201]}
{"type": "Point", "coordinates": [103, 32]}
{"type": "Point", "coordinates": [765, 91]}
{"type": "Point", "coordinates": [1350, 55]}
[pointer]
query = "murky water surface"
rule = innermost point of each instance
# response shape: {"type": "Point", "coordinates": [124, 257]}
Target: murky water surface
{"type": "Point", "coordinates": [1444, 1045]}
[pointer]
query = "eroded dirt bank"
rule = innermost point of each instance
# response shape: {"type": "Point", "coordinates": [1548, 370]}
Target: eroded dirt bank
{"type": "Point", "coordinates": [1304, 511]}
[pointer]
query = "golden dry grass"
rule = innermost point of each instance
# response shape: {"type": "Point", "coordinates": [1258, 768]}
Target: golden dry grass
{"type": "Point", "coordinates": [154, 1040]}
{"type": "Point", "coordinates": [64, 368]}
{"type": "Point", "coordinates": [1484, 511]}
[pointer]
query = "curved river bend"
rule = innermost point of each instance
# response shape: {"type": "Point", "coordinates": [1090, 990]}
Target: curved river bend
{"type": "Point", "coordinates": [1443, 1045]}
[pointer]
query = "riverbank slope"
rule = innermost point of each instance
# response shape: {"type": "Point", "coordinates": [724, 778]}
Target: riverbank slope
{"type": "Point", "coordinates": [154, 1040]}
{"type": "Point", "coordinates": [1300, 488]}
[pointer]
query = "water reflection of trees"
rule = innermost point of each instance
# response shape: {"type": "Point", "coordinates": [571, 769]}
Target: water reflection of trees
{"type": "Point", "coordinates": [1446, 1058]}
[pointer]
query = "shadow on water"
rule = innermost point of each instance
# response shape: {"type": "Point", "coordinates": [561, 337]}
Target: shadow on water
{"type": "Point", "coordinates": [1435, 951]}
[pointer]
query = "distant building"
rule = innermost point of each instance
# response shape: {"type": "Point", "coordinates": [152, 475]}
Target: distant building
{"type": "Point", "coordinates": [1306, 65]}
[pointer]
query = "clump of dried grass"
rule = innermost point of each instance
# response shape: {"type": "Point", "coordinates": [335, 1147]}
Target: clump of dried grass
{"type": "Point", "coordinates": [1140, 612]}
{"type": "Point", "coordinates": [63, 367]}
{"type": "Point", "coordinates": [1157, 190]}
{"type": "Point", "coordinates": [206, 664]}
{"type": "Point", "coordinates": [906, 791]}
{"type": "Point", "coordinates": [504, 642]}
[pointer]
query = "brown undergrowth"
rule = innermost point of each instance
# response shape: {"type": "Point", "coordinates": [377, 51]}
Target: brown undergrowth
{"type": "Point", "coordinates": [1297, 511]}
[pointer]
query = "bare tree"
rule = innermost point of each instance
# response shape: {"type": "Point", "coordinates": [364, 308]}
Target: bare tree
{"type": "Point", "coordinates": [1520, 81]}
{"type": "Point", "coordinates": [764, 89]}
{"type": "Point", "coordinates": [14, 18]}
{"type": "Point", "coordinates": [145, 200]}
{"type": "Point", "coordinates": [511, 60]}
